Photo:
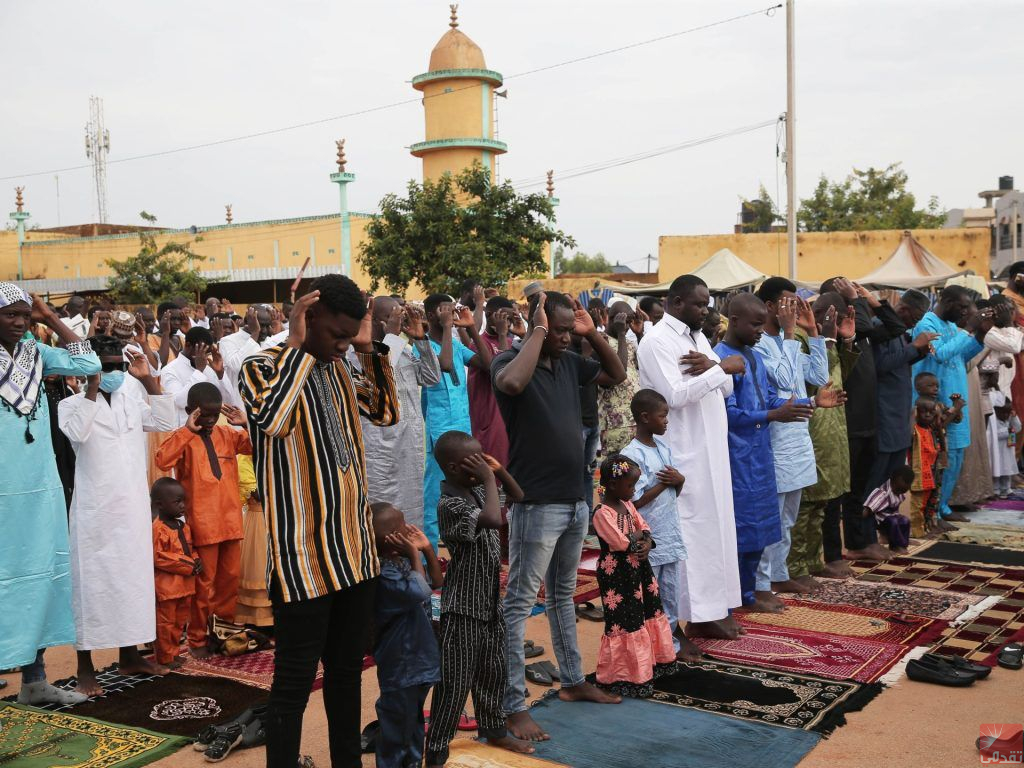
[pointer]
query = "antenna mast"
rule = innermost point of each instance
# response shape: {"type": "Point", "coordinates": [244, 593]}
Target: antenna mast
{"type": "Point", "coordinates": [97, 145]}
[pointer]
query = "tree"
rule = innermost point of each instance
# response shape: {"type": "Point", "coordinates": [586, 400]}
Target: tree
{"type": "Point", "coordinates": [763, 211]}
{"type": "Point", "coordinates": [580, 262]}
{"type": "Point", "coordinates": [871, 199]}
{"type": "Point", "coordinates": [453, 228]}
{"type": "Point", "coordinates": [157, 273]}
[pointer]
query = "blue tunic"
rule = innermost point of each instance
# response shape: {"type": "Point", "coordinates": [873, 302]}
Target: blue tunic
{"type": "Point", "coordinates": [35, 568]}
{"type": "Point", "coordinates": [754, 489]}
{"type": "Point", "coordinates": [948, 361]}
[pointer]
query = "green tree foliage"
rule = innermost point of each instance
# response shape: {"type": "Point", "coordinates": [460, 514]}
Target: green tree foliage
{"type": "Point", "coordinates": [871, 199]}
{"type": "Point", "coordinates": [580, 263]}
{"type": "Point", "coordinates": [445, 231]}
{"type": "Point", "coordinates": [765, 212]}
{"type": "Point", "coordinates": [157, 273]}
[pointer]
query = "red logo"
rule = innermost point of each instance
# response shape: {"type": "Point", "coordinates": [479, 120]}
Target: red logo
{"type": "Point", "coordinates": [1001, 743]}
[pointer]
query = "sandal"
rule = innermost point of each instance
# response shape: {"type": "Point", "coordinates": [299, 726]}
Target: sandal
{"type": "Point", "coordinates": [466, 723]}
{"type": "Point", "coordinates": [209, 734]}
{"type": "Point", "coordinates": [551, 669]}
{"type": "Point", "coordinates": [368, 739]}
{"type": "Point", "coordinates": [255, 735]}
{"type": "Point", "coordinates": [535, 673]}
{"type": "Point", "coordinates": [1011, 657]}
{"type": "Point", "coordinates": [227, 739]}
{"type": "Point", "coordinates": [531, 651]}
{"type": "Point", "coordinates": [590, 611]}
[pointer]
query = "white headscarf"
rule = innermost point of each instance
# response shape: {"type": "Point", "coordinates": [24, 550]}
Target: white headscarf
{"type": "Point", "coordinates": [21, 373]}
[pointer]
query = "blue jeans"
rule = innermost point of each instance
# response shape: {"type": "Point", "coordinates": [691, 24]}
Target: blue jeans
{"type": "Point", "coordinates": [773, 562]}
{"type": "Point", "coordinates": [34, 672]}
{"type": "Point", "coordinates": [950, 477]}
{"type": "Point", "coordinates": [590, 445]}
{"type": "Point", "coordinates": [667, 576]}
{"type": "Point", "coordinates": [544, 544]}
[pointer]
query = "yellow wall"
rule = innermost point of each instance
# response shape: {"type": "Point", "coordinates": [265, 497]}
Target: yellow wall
{"type": "Point", "coordinates": [9, 249]}
{"type": "Point", "coordinates": [439, 162]}
{"type": "Point", "coordinates": [821, 255]}
{"type": "Point", "coordinates": [456, 114]}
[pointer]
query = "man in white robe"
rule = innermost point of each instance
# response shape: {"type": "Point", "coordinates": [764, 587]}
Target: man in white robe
{"type": "Point", "coordinates": [113, 595]}
{"type": "Point", "coordinates": [677, 361]}
{"type": "Point", "coordinates": [199, 361]}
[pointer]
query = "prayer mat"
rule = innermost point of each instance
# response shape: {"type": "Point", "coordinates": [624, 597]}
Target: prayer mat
{"type": "Point", "coordinates": [470, 753]}
{"type": "Point", "coordinates": [989, 516]}
{"type": "Point", "coordinates": [761, 695]}
{"type": "Point", "coordinates": [176, 704]}
{"type": "Point", "coordinates": [255, 669]}
{"type": "Point", "coordinates": [110, 679]}
{"type": "Point", "coordinates": [1011, 503]}
{"type": "Point", "coordinates": [919, 601]}
{"type": "Point", "coordinates": [980, 638]}
{"type": "Point", "coordinates": [641, 733]}
{"type": "Point", "coordinates": [35, 738]}
{"type": "Point", "coordinates": [586, 587]}
{"type": "Point", "coordinates": [950, 577]}
{"type": "Point", "coordinates": [951, 552]}
{"type": "Point", "coordinates": [807, 652]}
{"type": "Point", "coordinates": [848, 621]}
{"type": "Point", "coordinates": [1001, 536]}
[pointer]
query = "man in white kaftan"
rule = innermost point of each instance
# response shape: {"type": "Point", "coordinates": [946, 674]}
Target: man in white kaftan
{"type": "Point", "coordinates": [698, 433]}
{"type": "Point", "coordinates": [111, 527]}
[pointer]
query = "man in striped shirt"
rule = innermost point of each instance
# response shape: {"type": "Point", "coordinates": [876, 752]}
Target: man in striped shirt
{"type": "Point", "coordinates": [303, 406]}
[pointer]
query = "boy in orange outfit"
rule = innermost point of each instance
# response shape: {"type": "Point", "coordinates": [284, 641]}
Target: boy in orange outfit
{"type": "Point", "coordinates": [175, 565]}
{"type": "Point", "coordinates": [203, 456]}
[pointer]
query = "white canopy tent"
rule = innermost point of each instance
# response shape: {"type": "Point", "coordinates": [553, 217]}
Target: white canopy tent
{"type": "Point", "coordinates": [723, 272]}
{"type": "Point", "coordinates": [911, 265]}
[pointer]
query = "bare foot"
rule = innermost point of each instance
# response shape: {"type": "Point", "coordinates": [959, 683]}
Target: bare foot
{"type": "Point", "coordinates": [958, 517]}
{"type": "Point", "coordinates": [878, 550]}
{"type": "Point", "coordinates": [760, 605]}
{"type": "Point", "coordinates": [588, 692]}
{"type": "Point", "coordinates": [143, 666]}
{"type": "Point", "coordinates": [688, 651]}
{"type": "Point", "coordinates": [524, 727]}
{"type": "Point", "coordinates": [87, 685]}
{"type": "Point", "coordinates": [865, 554]}
{"type": "Point", "coordinates": [512, 744]}
{"type": "Point", "coordinates": [202, 652]}
{"type": "Point", "coordinates": [733, 622]}
{"type": "Point", "coordinates": [900, 550]}
{"type": "Point", "coordinates": [723, 629]}
{"type": "Point", "coordinates": [810, 582]}
{"type": "Point", "coordinates": [837, 569]}
{"type": "Point", "coordinates": [791, 585]}
{"type": "Point", "coordinates": [942, 526]}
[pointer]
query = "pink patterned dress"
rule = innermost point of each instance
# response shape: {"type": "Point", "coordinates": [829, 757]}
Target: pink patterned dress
{"type": "Point", "coordinates": [637, 643]}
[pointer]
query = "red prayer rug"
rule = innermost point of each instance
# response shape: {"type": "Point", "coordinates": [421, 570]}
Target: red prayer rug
{"type": "Point", "coordinates": [255, 669]}
{"type": "Point", "coordinates": [807, 652]}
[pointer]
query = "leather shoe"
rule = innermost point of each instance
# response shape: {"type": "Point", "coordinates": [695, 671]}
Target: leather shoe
{"type": "Point", "coordinates": [980, 671]}
{"type": "Point", "coordinates": [939, 672]}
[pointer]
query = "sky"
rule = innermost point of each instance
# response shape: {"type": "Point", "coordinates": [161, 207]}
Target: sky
{"type": "Point", "coordinates": [928, 84]}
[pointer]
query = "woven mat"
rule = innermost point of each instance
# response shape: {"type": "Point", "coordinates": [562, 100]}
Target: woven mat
{"type": "Point", "coordinates": [35, 738]}
{"type": "Point", "coordinates": [110, 680]}
{"type": "Point", "coordinates": [951, 577]}
{"type": "Point", "coordinates": [1003, 536]}
{"type": "Point", "coordinates": [921, 601]}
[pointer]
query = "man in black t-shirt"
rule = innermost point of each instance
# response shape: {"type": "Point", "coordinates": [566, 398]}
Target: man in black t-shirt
{"type": "Point", "coordinates": [537, 386]}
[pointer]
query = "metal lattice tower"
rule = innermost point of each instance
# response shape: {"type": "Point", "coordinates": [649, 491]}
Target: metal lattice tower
{"type": "Point", "coordinates": [97, 145]}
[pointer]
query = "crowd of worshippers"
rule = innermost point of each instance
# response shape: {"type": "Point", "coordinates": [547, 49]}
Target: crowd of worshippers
{"type": "Point", "coordinates": [318, 470]}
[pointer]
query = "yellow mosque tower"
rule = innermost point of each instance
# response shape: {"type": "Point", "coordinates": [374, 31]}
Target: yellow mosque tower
{"type": "Point", "coordinates": [458, 106]}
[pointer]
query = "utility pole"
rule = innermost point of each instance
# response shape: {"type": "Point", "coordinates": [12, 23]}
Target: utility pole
{"type": "Point", "coordinates": [97, 145]}
{"type": "Point", "coordinates": [790, 139]}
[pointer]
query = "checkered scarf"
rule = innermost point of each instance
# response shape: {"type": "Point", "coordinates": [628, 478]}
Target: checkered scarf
{"type": "Point", "coordinates": [21, 373]}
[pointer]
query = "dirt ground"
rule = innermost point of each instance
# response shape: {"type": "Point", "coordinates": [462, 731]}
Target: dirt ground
{"type": "Point", "coordinates": [912, 725]}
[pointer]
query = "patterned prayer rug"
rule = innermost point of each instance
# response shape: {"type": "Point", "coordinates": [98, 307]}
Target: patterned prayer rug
{"type": "Point", "coordinates": [920, 601]}
{"type": "Point", "coordinates": [751, 693]}
{"type": "Point", "coordinates": [981, 637]}
{"type": "Point", "coordinates": [1002, 536]}
{"type": "Point", "coordinates": [807, 652]}
{"type": "Point", "coordinates": [255, 669]}
{"type": "Point", "coordinates": [110, 679]}
{"type": "Point", "coordinates": [989, 516]}
{"type": "Point", "coordinates": [35, 738]}
{"type": "Point", "coordinates": [950, 552]}
{"type": "Point", "coordinates": [951, 577]}
{"type": "Point", "coordinates": [848, 621]}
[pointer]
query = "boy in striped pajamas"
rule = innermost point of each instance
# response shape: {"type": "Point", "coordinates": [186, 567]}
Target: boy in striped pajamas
{"type": "Point", "coordinates": [472, 622]}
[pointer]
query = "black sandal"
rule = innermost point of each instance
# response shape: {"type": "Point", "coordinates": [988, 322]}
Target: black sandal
{"type": "Point", "coordinates": [551, 669]}
{"type": "Point", "coordinates": [590, 611]}
{"type": "Point", "coordinates": [536, 673]}
{"type": "Point", "coordinates": [227, 739]}
{"type": "Point", "coordinates": [1011, 657]}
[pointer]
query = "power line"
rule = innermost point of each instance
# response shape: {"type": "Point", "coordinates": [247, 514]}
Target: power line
{"type": "Point", "coordinates": [767, 11]}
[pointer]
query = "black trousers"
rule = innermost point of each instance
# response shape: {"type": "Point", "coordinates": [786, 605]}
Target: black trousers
{"type": "Point", "coordinates": [332, 629]}
{"type": "Point", "coordinates": [831, 533]}
{"type": "Point", "coordinates": [859, 531]}
{"type": "Point", "coordinates": [472, 661]}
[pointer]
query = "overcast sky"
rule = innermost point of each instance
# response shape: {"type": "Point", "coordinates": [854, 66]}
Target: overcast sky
{"type": "Point", "coordinates": [932, 84]}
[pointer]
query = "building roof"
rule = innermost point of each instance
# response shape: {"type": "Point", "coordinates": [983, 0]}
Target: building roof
{"type": "Point", "coordinates": [723, 272]}
{"type": "Point", "coordinates": [456, 51]}
{"type": "Point", "coordinates": [911, 265]}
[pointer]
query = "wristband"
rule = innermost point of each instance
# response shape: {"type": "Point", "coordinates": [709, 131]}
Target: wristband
{"type": "Point", "coordinates": [541, 328]}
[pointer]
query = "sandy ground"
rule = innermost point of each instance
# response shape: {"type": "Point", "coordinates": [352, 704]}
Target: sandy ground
{"type": "Point", "coordinates": [909, 725]}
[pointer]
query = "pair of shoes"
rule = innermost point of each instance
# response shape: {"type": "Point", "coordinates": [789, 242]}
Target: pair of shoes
{"type": "Point", "coordinates": [538, 673]}
{"type": "Point", "coordinates": [980, 671]}
{"type": "Point", "coordinates": [209, 734]}
{"type": "Point", "coordinates": [1011, 657]}
{"type": "Point", "coordinates": [939, 672]}
{"type": "Point", "coordinates": [531, 651]}
{"type": "Point", "coordinates": [226, 740]}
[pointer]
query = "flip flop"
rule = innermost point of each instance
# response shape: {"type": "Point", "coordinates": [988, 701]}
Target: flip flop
{"type": "Point", "coordinates": [369, 736]}
{"type": "Point", "coordinates": [535, 673]}
{"type": "Point", "coordinates": [1011, 657]}
{"type": "Point", "coordinates": [551, 669]}
{"type": "Point", "coordinates": [590, 611]}
{"type": "Point", "coordinates": [466, 723]}
{"type": "Point", "coordinates": [531, 651]}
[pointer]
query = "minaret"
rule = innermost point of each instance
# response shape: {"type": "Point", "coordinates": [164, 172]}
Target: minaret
{"type": "Point", "coordinates": [343, 179]}
{"type": "Point", "coordinates": [554, 204]}
{"type": "Point", "coordinates": [20, 216]}
{"type": "Point", "coordinates": [458, 105]}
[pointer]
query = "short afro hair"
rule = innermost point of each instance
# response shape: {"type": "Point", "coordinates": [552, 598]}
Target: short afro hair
{"type": "Point", "coordinates": [1016, 268]}
{"type": "Point", "coordinates": [204, 393]}
{"type": "Point", "coordinates": [198, 335]}
{"type": "Point", "coordinates": [498, 302]}
{"type": "Point", "coordinates": [774, 287]}
{"type": "Point", "coordinates": [554, 300]}
{"type": "Point", "coordinates": [903, 472]}
{"type": "Point", "coordinates": [164, 306]}
{"type": "Point", "coordinates": [162, 484]}
{"type": "Point", "coordinates": [645, 401]}
{"type": "Point", "coordinates": [647, 303]}
{"type": "Point", "coordinates": [450, 444]}
{"type": "Point", "coordinates": [435, 300]}
{"type": "Point", "coordinates": [916, 300]}
{"type": "Point", "coordinates": [340, 295]}
{"type": "Point", "coordinates": [684, 285]}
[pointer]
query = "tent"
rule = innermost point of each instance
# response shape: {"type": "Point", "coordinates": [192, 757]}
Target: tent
{"type": "Point", "coordinates": [723, 272]}
{"type": "Point", "coordinates": [910, 266]}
